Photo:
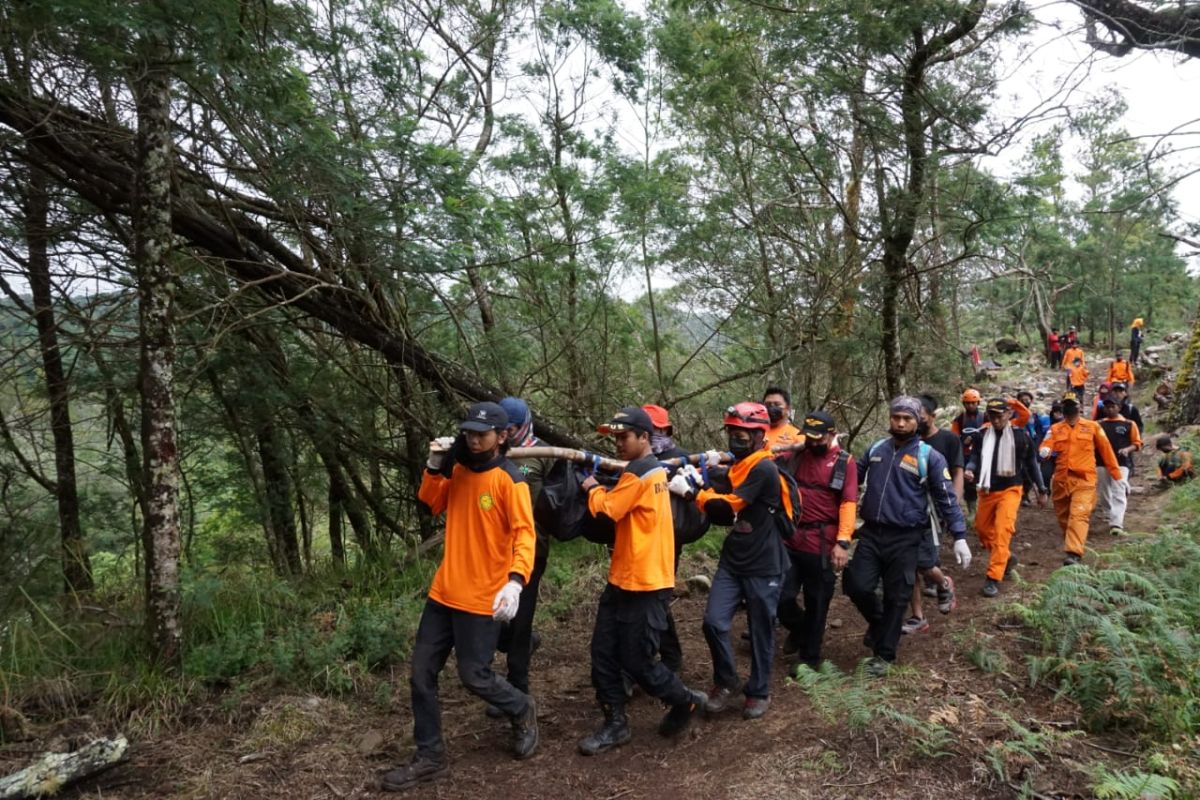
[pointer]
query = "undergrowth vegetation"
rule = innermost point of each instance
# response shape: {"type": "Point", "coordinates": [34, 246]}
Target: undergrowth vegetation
{"type": "Point", "coordinates": [335, 632]}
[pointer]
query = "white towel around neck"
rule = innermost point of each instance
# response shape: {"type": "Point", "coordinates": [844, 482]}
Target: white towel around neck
{"type": "Point", "coordinates": [1006, 460]}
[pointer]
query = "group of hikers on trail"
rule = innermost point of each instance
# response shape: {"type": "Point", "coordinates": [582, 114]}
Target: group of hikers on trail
{"type": "Point", "coordinates": [796, 504]}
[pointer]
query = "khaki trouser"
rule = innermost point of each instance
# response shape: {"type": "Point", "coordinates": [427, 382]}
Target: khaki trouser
{"type": "Point", "coordinates": [1074, 499]}
{"type": "Point", "coordinates": [996, 522]}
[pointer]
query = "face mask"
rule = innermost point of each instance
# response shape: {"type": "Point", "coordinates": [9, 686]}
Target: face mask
{"type": "Point", "coordinates": [661, 443]}
{"type": "Point", "coordinates": [479, 459]}
{"type": "Point", "coordinates": [902, 437]}
{"type": "Point", "coordinates": [924, 428]}
{"type": "Point", "coordinates": [775, 413]}
{"type": "Point", "coordinates": [818, 449]}
{"type": "Point", "coordinates": [740, 449]}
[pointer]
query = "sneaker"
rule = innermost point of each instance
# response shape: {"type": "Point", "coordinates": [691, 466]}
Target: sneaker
{"type": "Point", "coordinates": [876, 667]}
{"type": "Point", "coordinates": [1117, 530]}
{"type": "Point", "coordinates": [946, 596]}
{"type": "Point", "coordinates": [675, 721]}
{"type": "Point", "coordinates": [1072, 559]}
{"type": "Point", "coordinates": [1010, 566]}
{"type": "Point", "coordinates": [914, 625]}
{"type": "Point", "coordinates": [718, 699]}
{"type": "Point", "coordinates": [525, 732]}
{"type": "Point", "coordinates": [930, 589]}
{"type": "Point", "coordinates": [421, 769]}
{"type": "Point", "coordinates": [755, 707]}
{"type": "Point", "coordinates": [990, 588]}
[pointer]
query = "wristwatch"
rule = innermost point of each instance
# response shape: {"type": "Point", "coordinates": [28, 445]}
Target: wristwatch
{"type": "Point", "coordinates": [844, 544]}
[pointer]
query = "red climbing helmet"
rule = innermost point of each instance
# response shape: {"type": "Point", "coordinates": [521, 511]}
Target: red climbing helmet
{"type": "Point", "coordinates": [751, 416]}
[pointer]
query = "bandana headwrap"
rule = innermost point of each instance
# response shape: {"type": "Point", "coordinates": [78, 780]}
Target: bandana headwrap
{"type": "Point", "coordinates": [906, 404]}
{"type": "Point", "coordinates": [519, 415]}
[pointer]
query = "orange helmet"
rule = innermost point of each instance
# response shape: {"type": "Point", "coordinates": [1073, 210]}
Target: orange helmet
{"type": "Point", "coordinates": [751, 416]}
{"type": "Point", "coordinates": [971, 396]}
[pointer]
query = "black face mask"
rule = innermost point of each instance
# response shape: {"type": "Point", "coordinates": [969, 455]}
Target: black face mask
{"type": "Point", "coordinates": [775, 413]}
{"type": "Point", "coordinates": [902, 437]}
{"type": "Point", "coordinates": [740, 449]}
{"type": "Point", "coordinates": [818, 449]}
{"type": "Point", "coordinates": [924, 428]}
{"type": "Point", "coordinates": [479, 459]}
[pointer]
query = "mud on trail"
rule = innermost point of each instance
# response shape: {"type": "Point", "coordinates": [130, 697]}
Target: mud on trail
{"type": "Point", "coordinates": [296, 746]}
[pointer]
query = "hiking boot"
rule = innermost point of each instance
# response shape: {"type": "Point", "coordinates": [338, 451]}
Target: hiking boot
{"type": "Point", "coordinates": [421, 769]}
{"type": "Point", "coordinates": [914, 625]}
{"type": "Point", "coordinates": [1116, 530]}
{"type": "Point", "coordinates": [868, 640]}
{"type": "Point", "coordinates": [493, 713]}
{"type": "Point", "coordinates": [791, 645]}
{"type": "Point", "coordinates": [1071, 560]}
{"type": "Point", "coordinates": [946, 596]}
{"type": "Point", "coordinates": [876, 667]}
{"type": "Point", "coordinates": [525, 732]}
{"type": "Point", "coordinates": [755, 707]}
{"type": "Point", "coordinates": [930, 589]}
{"type": "Point", "coordinates": [1011, 564]}
{"type": "Point", "coordinates": [990, 588]}
{"type": "Point", "coordinates": [718, 699]}
{"type": "Point", "coordinates": [680, 716]}
{"type": "Point", "coordinates": [613, 733]}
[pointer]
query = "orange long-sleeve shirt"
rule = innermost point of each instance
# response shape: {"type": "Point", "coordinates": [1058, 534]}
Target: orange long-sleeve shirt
{"type": "Point", "coordinates": [489, 532]}
{"type": "Point", "coordinates": [1076, 447]}
{"type": "Point", "coordinates": [787, 433]}
{"type": "Point", "coordinates": [643, 558]}
{"type": "Point", "coordinates": [1079, 375]}
{"type": "Point", "coordinates": [1120, 372]}
{"type": "Point", "coordinates": [1069, 356]}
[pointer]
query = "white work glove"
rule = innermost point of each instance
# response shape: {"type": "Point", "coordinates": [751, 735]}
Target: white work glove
{"type": "Point", "coordinates": [686, 482]}
{"type": "Point", "coordinates": [712, 457]}
{"type": "Point", "coordinates": [1044, 453]}
{"type": "Point", "coordinates": [962, 553]}
{"type": "Point", "coordinates": [437, 452]}
{"type": "Point", "coordinates": [508, 599]}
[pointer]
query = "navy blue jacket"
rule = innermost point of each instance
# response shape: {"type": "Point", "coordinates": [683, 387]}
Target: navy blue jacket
{"type": "Point", "coordinates": [894, 495]}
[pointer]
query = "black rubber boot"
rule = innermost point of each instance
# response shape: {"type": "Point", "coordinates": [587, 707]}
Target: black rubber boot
{"type": "Point", "coordinates": [525, 732]}
{"type": "Point", "coordinates": [613, 733]}
{"type": "Point", "coordinates": [421, 769]}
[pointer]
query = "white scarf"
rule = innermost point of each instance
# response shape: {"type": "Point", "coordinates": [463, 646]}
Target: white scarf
{"type": "Point", "coordinates": [1006, 460]}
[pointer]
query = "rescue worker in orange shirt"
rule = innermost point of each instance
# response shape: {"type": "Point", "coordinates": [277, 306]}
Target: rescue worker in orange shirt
{"type": "Point", "coordinates": [779, 408]}
{"type": "Point", "coordinates": [1072, 354]}
{"type": "Point", "coordinates": [632, 612]}
{"type": "Point", "coordinates": [487, 559]}
{"type": "Point", "coordinates": [1077, 377]}
{"type": "Point", "coordinates": [1119, 371]}
{"type": "Point", "coordinates": [1075, 444]}
{"type": "Point", "coordinates": [1003, 459]}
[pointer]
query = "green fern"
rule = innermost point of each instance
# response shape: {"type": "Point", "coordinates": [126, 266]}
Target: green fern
{"type": "Point", "coordinates": [1122, 785]}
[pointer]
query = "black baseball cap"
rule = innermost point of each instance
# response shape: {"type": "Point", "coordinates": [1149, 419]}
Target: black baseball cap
{"type": "Point", "coordinates": [484, 417]}
{"type": "Point", "coordinates": [817, 424]}
{"type": "Point", "coordinates": [1119, 385]}
{"type": "Point", "coordinates": [628, 418]}
{"type": "Point", "coordinates": [997, 405]}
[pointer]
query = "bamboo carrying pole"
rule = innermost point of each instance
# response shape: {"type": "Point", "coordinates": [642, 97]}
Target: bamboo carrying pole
{"type": "Point", "coordinates": [614, 465]}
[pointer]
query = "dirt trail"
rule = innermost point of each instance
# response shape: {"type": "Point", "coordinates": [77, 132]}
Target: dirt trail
{"type": "Point", "coordinates": [306, 747]}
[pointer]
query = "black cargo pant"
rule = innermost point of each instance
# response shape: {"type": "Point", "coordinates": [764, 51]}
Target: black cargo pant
{"type": "Point", "coordinates": [516, 638]}
{"type": "Point", "coordinates": [889, 555]}
{"type": "Point", "coordinates": [626, 638]}
{"type": "Point", "coordinates": [809, 575]}
{"type": "Point", "coordinates": [473, 639]}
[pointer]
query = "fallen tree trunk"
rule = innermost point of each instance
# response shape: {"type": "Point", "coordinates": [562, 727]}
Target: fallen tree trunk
{"type": "Point", "coordinates": [53, 771]}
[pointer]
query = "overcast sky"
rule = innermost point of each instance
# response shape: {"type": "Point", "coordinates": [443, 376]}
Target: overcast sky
{"type": "Point", "coordinates": [1161, 90]}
